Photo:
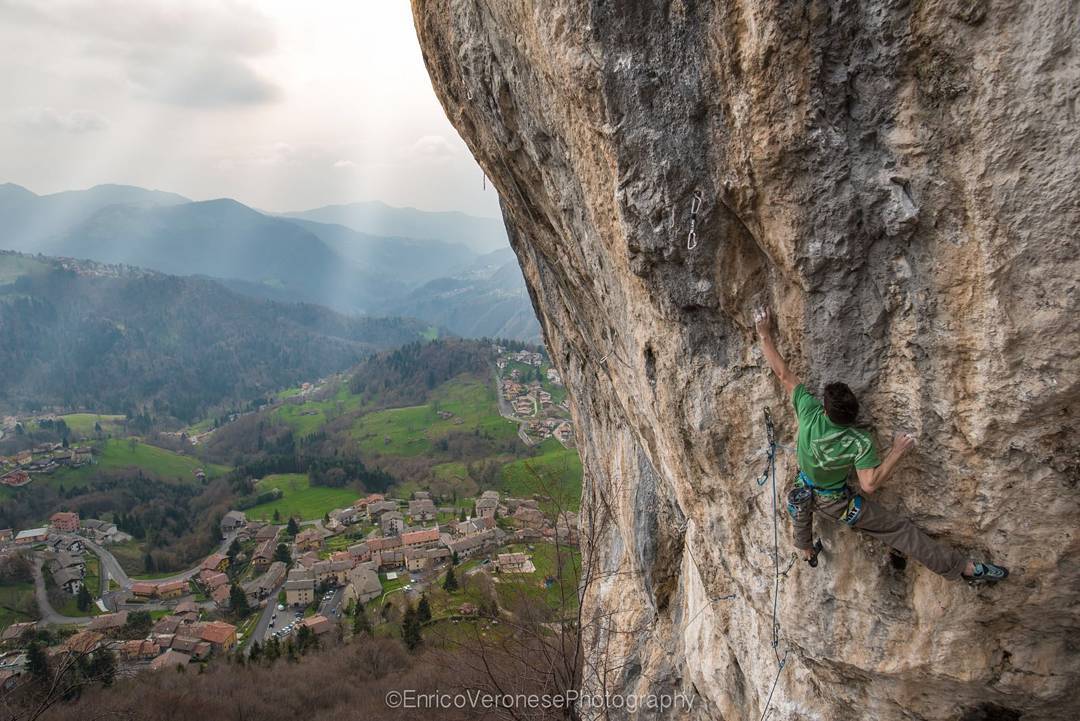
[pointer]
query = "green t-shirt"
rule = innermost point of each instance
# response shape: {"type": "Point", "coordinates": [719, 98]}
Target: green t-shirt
{"type": "Point", "coordinates": [826, 451]}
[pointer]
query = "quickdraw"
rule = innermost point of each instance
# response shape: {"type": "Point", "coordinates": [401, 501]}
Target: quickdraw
{"type": "Point", "coordinates": [695, 206]}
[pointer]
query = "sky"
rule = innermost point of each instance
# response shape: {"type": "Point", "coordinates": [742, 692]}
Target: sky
{"type": "Point", "coordinates": [280, 104]}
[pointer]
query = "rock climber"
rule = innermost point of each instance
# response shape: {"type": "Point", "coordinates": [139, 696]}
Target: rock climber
{"type": "Point", "coordinates": [829, 446]}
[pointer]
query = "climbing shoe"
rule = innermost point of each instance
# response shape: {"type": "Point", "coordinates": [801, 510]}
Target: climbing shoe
{"type": "Point", "coordinates": [987, 573]}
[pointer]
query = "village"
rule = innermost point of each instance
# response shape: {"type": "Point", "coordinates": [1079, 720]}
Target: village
{"type": "Point", "coordinates": [524, 398]}
{"type": "Point", "coordinates": [18, 470]}
{"type": "Point", "coordinates": [311, 574]}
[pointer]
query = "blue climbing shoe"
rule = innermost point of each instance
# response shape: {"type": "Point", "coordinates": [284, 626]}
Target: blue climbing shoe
{"type": "Point", "coordinates": [987, 573]}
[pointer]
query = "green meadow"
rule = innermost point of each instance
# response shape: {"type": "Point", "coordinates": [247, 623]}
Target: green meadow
{"type": "Point", "coordinates": [300, 498]}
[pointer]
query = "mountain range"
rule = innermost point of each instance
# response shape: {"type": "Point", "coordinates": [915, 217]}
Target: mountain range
{"type": "Point", "coordinates": [80, 334]}
{"type": "Point", "coordinates": [427, 265]}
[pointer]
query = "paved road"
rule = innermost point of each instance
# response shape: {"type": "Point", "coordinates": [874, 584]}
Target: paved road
{"type": "Point", "coordinates": [327, 608]}
{"type": "Point", "coordinates": [507, 412]}
{"type": "Point", "coordinates": [262, 626]}
{"type": "Point", "coordinates": [45, 609]}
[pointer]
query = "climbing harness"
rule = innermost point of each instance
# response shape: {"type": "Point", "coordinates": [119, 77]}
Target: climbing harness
{"type": "Point", "coordinates": [695, 205]}
{"type": "Point", "coordinates": [770, 475]}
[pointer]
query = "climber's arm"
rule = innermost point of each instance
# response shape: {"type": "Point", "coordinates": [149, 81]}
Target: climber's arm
{"type": "Point", "coordinates": [762, 319]}
{"type": "Point", "coordinates": [871, 479]}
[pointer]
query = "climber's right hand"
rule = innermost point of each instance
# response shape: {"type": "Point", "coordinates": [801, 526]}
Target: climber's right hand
{"type": "Point", "coordinates": [903, 442]}
{"type": "Point", "coordinates": [762, 321]}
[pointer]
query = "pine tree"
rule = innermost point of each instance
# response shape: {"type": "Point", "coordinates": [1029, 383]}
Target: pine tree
{"type": "Point", "coordinates": [256, 652]}
{"type": "Point", "coordinates": [238, 602]}
{"type": "Point", "coordinates": [410, 628]}
{"type": "Point", "coordinates": [277, 516]}
{"type": "Point", "coordinates": [83, 599]}
{"type": "Point", "coordinates": [450, 584]}
{"type": "Point", "coordinates": [454, 560]}
{"type": "Point", "coordinates": [103, 667]}
{"type": "Point", "coordinates": [37, 663]}
{"type": "Point", "coordinates": [281, 553]}
{"type": "Point", "coordinates": [423, 609]}
{"type": "Point", "coordinates": [292, 528]}
{"type": "Point", "coordinates": [361, 624]}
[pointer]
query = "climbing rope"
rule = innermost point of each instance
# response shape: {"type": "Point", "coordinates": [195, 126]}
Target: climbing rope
{"type": "Point", "coordinates": [695, 205]}
{"type": "Point", "coordinates": [770, 475]}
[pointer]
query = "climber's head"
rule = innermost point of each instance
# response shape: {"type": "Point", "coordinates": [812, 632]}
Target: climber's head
{"type": "Point", "coordinates": [841, 405]}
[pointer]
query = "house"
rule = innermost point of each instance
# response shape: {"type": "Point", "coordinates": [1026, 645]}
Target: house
{"type": "Point", "coordinates": [323, 572]}
{"type": "Point", "coordinates": [265, 584]}
{"type": "Point", "coordinates": [194, 647]}
{"type": "Point", "coordinates": [221, 596]}
{"type": "Point", "coordinates": [472, 545]}
{"type": "Point", "coordinates": [300, 587]}
{"type": "Point", "coordinates": [422, 495]}
{"type": "Point", "coordinates": [526, 517]}
{"type": "Point", "coordinates": [360, 552]}
{"type": "Point", "coordinates": [392, 523]}
{"type": "Point", "coordinates": [212, 580]}
{"type": "Point", "coordinates": [64, 521]}
{"type": "Point", "coordinates": [15, 479]}
{"type": "Point", "coordinates": [186, 607]}
{"type": "Point", "coordinates": [170, 659]}
{"type": "Point", "coordinates": [376, 509]}
{"type": "Point", "coordinates": [165, 626]}
{"type": "Point", "coordinates": [172, 589]}
{"type": "Point", "coordinates": [423, 538]}
{"type": "Point", "coordinates": [67, 561]}
{"type": "Point", "coordinates": [68, 579]}
{"type": "Point", "coordinates": [219, 635]}
{"type": "Point", "coordinates": [318, 624]}
{"type": "Point", "coordinates": [513, 563]}
{"type": "Point", "coordinates": [309, 540]}
{"type": "Point", "coordinates": [67, 544]}
{"type": "Point", "coordinates": [200, 475]}
{"type": "Point", "coordinates": [269, 532]}
{"type": "Point", "coordinates": [32, 535]}
{"type": "Point", "coordinates": [264, 555]}
{"type": "Point", "coordinates": [363, 585]}
{"type": "Point", "coordinates": [233, 521]}
{"type": "Point", "coordinates": [6, 534]}
{"type": "Point", "coordinates": [215, 562]}
{"type": "Point", "coordinates": [83, 642]}
{"type": "Point", "coordinates": [486, 507]}
{"type": "Point", "coordinates": [422, 509]}
{"type": "Point", "coordinates": [139, 650]}
{"type": "Point", "coordinates": [144, 589]}
{"type": "Point", "coordinates": [15, 631]}
{"type": "Point", "coordinates": [361, 504]}
{"type": "Point", "coordinates": [101, 531]}
{"type": "Point", "coordinates": [108, 622]}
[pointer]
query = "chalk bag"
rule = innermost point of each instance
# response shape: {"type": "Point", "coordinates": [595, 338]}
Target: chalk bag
{"type": "Point", "coordinates": [853, 510]}
{"type": "Point", "coordinates": [798, 502]}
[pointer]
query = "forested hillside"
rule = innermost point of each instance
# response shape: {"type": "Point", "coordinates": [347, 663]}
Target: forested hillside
{"type": "Point", "coordinates": [83, 335]}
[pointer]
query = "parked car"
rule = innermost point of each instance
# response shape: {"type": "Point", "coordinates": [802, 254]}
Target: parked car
{"type": "Point", "coordinates": [281, 607]}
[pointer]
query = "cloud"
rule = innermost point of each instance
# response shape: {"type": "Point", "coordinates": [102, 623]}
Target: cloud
{"type": "Point", "coordinates": [433, 147]}
{"type": "Point", "coordinates": [197, 78]}
{"type": "Point", "coordinates": [193, 53]}
{"type": "Point", "coordinates": [53, 120]}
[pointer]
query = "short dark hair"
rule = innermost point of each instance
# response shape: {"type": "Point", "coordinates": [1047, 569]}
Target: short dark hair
{"type": "Point", "coordinates": [841, 405]}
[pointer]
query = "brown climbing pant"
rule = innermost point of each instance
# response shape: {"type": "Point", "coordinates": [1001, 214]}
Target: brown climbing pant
{"type": "Point", "coordinates": [885, 525]}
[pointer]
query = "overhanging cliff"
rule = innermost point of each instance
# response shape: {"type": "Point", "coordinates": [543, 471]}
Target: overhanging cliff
{"type": "Point", "coordinates": [899, 181]}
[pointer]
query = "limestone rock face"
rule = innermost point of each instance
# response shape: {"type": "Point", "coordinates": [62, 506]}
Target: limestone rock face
{"type": "Point", "coordinates": [898, 180]}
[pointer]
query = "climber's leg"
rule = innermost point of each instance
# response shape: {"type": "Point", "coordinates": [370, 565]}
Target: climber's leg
{"type": "Point", "coordinates": [903, 535]}
{"type": "Point", "coordinates": [803, 528]}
